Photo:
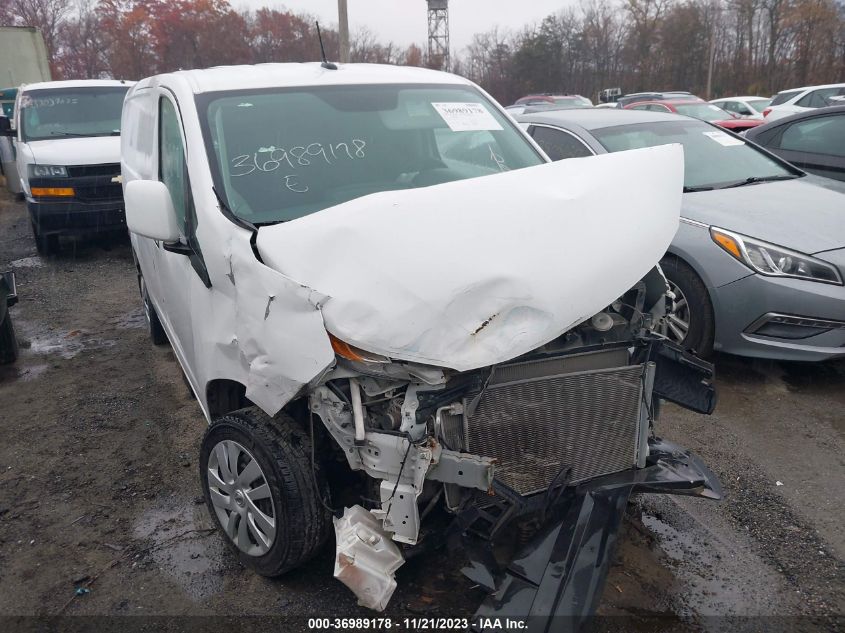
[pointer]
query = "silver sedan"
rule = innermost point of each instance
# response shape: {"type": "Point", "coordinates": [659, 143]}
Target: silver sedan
{"type": "Point", "coordinates": [758, 262]}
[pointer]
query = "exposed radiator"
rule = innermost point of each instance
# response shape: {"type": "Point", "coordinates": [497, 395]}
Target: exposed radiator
{"type": "Point", "coordinates": [538, 417]}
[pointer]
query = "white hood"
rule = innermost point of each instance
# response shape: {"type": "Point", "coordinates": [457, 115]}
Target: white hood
{"type": "Point", "coordinates": [475, 272]}
{"type": "Point", "coordinates": [90, 150]}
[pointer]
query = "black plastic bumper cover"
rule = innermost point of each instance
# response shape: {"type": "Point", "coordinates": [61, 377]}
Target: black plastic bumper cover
{"type": "Point", "coordinates": [556, 581]}
{"type": "Point", "coordinates": [77, 216]}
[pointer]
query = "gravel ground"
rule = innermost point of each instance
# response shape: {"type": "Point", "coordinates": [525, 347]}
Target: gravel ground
{"type": "Point", "coordinates": [98, 482]}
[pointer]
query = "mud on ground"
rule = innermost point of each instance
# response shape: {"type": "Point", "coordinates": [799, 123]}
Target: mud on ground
{"type": "Point", "coordinates": [99, 486]}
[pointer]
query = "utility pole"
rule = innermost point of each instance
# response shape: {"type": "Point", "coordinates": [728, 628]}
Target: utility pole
{"type": "Point", "coordinates": [343, 31]}
{"type": "Point", "coordinates": [712, 56]}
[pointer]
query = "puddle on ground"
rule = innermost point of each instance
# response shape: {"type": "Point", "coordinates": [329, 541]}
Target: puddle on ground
{"type": "Point", "coordinates": [195, 560]}
{"type": "Point", "coordinates": [716, 581]}
{"type": "Point", "coordinates": [20, 372]}
{"type": "Point", "coordinates": [66, 344]}
{"type": "Point", "coordinates": [27, 262]}
{"type": "Point", "coordinates": [132, 320]}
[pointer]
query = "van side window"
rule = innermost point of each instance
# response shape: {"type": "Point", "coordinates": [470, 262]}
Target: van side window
{"type": "Point", "coordinates": [172, 167]}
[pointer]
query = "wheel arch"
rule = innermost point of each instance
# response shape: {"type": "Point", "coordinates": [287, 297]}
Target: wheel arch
{"type": "Point", "coordinates": [223, 395]}
{"type": "Point", "coordinates": [684, 257]}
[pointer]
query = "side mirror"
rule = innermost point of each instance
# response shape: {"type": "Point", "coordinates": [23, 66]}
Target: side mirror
{"type": "Point", "coordinates": [149, 210]}
{"type": "Point", "coordinates": [6, 127]}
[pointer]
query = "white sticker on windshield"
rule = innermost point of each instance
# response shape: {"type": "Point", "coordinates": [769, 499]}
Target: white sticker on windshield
{"type": "Point", "coordinates": [724, 139]}
{"type": "Point", "coordinates": [466, 117]}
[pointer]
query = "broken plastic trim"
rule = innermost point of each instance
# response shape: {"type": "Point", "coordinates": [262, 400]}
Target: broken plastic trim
{"type": "Point", "coordinates": [556, 581]}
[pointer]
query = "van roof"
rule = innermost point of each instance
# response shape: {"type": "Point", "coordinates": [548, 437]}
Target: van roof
{"type": "Point", "coordinates": [302, 74]}
{"type": "Point", "coordinates": [76, 83]}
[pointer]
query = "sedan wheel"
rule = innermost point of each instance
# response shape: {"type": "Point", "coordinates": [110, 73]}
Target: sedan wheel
{"type": "Point", "coordinates": [689, 322]}
{"type": "Point", "coordinates": [678, 318]}
{"type": "Point", "coordinates": [241, 498]}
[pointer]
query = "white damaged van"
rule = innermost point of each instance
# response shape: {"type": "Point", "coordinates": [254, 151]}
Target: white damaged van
{"type": "Point", "coordinates": [68, 157]}
{"type": "Point", "coordinates": [390, 307]}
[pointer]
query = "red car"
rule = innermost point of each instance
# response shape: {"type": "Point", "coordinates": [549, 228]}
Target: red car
{"type": "Point", "coordinates": [698, 110]}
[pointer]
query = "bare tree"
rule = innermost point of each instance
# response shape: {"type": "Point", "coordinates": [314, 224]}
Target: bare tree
{"type": "Point", "coordinates": [45, 15]}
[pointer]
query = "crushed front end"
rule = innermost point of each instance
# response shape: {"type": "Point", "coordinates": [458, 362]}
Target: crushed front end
{"type": "Point", "coordinates": [542, 450]}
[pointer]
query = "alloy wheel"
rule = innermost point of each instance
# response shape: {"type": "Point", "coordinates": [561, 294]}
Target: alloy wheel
{"type": "Point", "coordinates": [678, 317]}
{"type": "Point", "coordinates": [241, 497]}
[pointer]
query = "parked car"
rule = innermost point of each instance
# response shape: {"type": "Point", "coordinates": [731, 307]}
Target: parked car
{"type": "Point", "coordinates": [698, 110]}
{"type": "Point", "coordinates": [789, 102]}
{"type": "Point", "coordinates": [390, 337]}
{"type": "Point", "coordinates": [7, 148]}
{"type": "Point", "coordinates": [813, 141]}
{"type": "Point", "coordinates": [744, 107]}
{"type": "Point", "coordinates": [67, 156]}
{"type": "Point", "coordinates": [637, 97]}
{"type": "Point", "coordinates": [757, 264]}
{"type": "Point", "coordinates": [572, 101]}
{"type": "Point", "coordinates": [609, 95]}
{"type": "Point", "coordinates": [543, 106]}
{"type": "Point", "coordinates": [8, 298]}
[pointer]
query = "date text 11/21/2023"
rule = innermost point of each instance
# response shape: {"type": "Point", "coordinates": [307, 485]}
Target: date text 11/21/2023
{"type": "Point", "coordinates": [417, 624]}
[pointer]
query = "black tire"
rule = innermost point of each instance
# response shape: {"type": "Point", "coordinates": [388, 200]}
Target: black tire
{"type": "Point", "coordinates": [283, 451]}
{"type": "Point", "coordinates": [157, 333]}
{"type": "Point", "coordinates": [702, 326]}
{"type": "Point", "coordinates": [45, 244]}
{"type": "Point", "coordinates": [8, 341]}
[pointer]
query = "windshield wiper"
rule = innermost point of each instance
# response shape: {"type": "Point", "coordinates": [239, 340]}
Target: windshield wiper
{"type": "Point", "coordinates": [694, 189]}
{"type": "Point", "coordinates": [66, 134]}
{"type": "Point", "coordinates": [755, 179]}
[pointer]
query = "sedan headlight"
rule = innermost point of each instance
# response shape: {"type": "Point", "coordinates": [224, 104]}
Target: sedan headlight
{"type": "Point", "coordinates": [47, 171]}
{"type": "Point", "coordinates": [772, 260]}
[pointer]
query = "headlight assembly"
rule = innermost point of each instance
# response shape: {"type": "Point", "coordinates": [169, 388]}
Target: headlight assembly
{"type": "Point", "coordinates": [47, 171]}
{"type": "Point", "coordinates": [350, 352]}
{"type": "Point", "coordinates": [774, 261]}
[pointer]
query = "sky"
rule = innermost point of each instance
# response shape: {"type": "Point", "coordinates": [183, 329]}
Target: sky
{"type": "Point", "coordinates": [404, 21]}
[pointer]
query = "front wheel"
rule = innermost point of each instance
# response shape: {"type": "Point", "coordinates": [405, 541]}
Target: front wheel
{"type": "Point", "coordinates": [689, 322]}
{"type": "Point", "coordinates": [44, 244]}
{"type": "Point", "coordinates": [157, 333]}
{"type": "Point", "coordinates": [260, 488]}
{"type": "Point", "coordinates": [8, 341]}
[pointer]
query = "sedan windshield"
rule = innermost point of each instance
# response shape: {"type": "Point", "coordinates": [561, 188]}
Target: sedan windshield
{"type": "Point", "coordinates": [69, 112]}
{"type": "Point", "coordinates": [713, 159]}
{"type": "Point", "coordinates": [703, 111]}
{"type": "Point", "coordinates": [281, 154]}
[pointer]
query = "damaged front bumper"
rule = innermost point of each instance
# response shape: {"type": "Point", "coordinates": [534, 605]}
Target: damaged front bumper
{"type": "Point", "coordinates": [554, 583]}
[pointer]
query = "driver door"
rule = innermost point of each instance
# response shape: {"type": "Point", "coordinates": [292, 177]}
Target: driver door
{"type": "Point", "coordinates": [178, 279]}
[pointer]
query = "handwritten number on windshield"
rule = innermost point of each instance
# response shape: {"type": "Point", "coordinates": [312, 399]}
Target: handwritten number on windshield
{"type": "Point", "coordinates": [269, 159]}
{"type": "Point", "coordinates": [292, 183]}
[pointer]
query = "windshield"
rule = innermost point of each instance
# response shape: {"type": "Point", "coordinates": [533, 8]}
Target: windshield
{"type": "Point", "coordinates": [759, 104]}
{"type": "Point", "coordinates": [282, 154]}
{"type": "Point", "coordinates": [64, 112]}
{"type": "Point", "coordinates": [783, 97]}
{"type": "Point", "coordinates": [712, 158]}
{"type": "Point", "coordinates": [703, 111]}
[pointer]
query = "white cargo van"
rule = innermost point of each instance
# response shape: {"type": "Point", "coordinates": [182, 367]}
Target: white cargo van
{"type": "Point", "coordinates": [67, 138]}
{"type": "Point", "coordinates": [391, 306]}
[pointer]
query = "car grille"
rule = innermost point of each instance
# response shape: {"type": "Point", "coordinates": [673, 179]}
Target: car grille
{"type": "Point", "coordinates": [538, 418]}
{"type": "Point", "coordinates": [108, 169]}
{"type": "Point", "coordinates": [95, 193]}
